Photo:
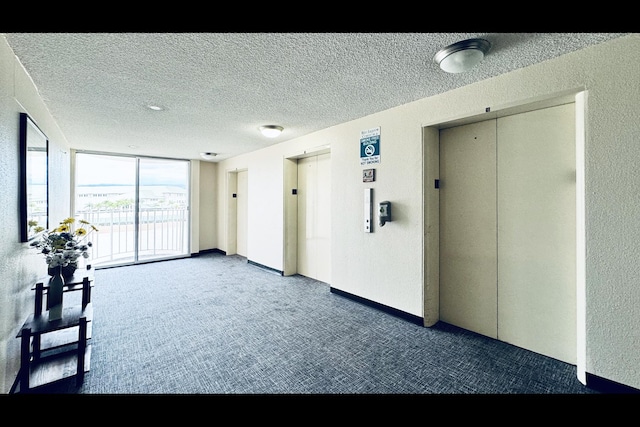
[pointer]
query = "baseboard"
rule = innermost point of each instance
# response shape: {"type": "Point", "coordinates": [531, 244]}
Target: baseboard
{"type": "Point", "coordinates": [264, 267]}
{"type": "Point", "coordinates": [208, 251]}
{"type": "Point", "coordinates": [604, 385]}
{"type": "Point", "coordinates": [390, 310]}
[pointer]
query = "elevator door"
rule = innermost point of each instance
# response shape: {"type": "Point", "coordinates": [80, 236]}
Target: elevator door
{"type": "Point", "coordinates": [314, 217]}
{"type": "Point", "coordinates": [468, 245]}
{"type": "Point", "coordinates": [537, 231]}
{"type": "Point", "coordinates": [241, 214]}
{"type": "Point", "coordinates": [507, 230]}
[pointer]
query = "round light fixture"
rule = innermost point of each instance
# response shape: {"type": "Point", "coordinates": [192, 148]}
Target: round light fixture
{"type": "Point", "coordinates": [271, 131]}
{"type": "Point", "coordinates": [208, 155]}
{"type": "Point", "coordinates": [462, 56]}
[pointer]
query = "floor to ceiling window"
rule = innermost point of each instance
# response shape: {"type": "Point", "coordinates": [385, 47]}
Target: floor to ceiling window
{"type": "Point", "coordinates": [140, 206]}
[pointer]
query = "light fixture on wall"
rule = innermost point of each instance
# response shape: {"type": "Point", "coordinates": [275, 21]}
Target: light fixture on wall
{"type": "Point", "coordinates": [462, 56]}
{"type": "Point", "coordinates": [271, 131]}
{"type": "Point", "coordinates": [208, 155]}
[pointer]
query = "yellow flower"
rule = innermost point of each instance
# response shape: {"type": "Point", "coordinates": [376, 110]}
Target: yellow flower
{"type": "Point", "coordinates": [64, 244]}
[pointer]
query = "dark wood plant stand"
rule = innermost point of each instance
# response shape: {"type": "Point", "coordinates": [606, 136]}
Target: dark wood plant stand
{"type": "Point", "coordinates": [59, 349]}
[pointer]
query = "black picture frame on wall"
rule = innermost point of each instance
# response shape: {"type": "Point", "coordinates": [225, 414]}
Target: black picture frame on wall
{"type": "Point", "coordinates": [34, 179]}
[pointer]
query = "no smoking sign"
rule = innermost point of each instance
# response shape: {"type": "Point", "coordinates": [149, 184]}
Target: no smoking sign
{"type": "Point", "coordinates": [370, 146]}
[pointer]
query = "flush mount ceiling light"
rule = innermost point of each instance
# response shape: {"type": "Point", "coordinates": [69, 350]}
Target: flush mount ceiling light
{"type": "Point", "coordinates": [208, 155]}
{"type": "Point", "coordinates": [462, 56]}
{"type": "Point", "coordinates": [155, 107]}
{"type": "Point", "coordinates": [271, 131]}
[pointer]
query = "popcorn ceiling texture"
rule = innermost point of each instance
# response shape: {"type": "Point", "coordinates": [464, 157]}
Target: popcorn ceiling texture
{"type": "Point", "coordinates": [218, 88]}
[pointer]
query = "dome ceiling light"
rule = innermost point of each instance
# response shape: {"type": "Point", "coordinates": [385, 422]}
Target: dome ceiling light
{"type": "Point", "coordinates": [208, 155]}
{"type": "Point", "coordinates": [271, 131]}
{"type": "Point", "coordinates": [462, 56]}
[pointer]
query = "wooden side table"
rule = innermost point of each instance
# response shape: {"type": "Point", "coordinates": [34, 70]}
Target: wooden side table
{"type": "Point", "coordinates": [55, 350]}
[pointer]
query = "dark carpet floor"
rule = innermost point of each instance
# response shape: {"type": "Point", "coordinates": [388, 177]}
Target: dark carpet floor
{"type": "Point", "coordinates": [216, 324]}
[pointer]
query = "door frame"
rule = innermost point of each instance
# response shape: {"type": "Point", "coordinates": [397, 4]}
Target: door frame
{"type": "Point", "coordinates": [431, 203]}
{"type": "Point", "coordinates": [290, 201]}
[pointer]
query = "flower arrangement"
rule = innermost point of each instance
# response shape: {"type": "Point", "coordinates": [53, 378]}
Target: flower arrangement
{"type": "Point", "coordinates": [65, 244]}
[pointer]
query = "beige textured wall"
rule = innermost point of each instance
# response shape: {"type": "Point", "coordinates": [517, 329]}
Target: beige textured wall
{"type": "Point", "coordinates": [386, 266]}
{"type": "Point", "coordinates": [207, 192]}
{"type": "Point", "coordinates": [20, 266]}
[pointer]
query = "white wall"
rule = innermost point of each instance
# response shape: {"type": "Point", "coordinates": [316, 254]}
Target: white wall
{"type": "Point", "coordinates": [386, 266]}
{"type": "Point", "coordinates": [20, 265]}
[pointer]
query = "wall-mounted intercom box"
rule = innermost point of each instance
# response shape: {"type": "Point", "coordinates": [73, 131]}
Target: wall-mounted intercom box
{"type": "Point", "coordinates": [384, 212]}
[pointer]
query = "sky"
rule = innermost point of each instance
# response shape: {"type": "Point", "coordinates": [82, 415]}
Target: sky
{"type": "Point", "coordinates": [93, 169]}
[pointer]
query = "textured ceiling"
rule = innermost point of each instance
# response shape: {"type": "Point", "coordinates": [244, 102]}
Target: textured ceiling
{"type": "Point", "coordinates": [218, 88]}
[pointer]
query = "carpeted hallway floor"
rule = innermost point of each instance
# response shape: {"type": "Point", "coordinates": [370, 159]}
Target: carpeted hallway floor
{"type": "Point", "coordinates": [215, 324]}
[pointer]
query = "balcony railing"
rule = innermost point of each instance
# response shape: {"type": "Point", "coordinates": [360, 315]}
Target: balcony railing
{"type": "Point", "coordinates": [162, 233]}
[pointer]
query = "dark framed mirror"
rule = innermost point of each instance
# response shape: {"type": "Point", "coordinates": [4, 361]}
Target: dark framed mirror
{"type": "Point", "coordinates": [34, 183]}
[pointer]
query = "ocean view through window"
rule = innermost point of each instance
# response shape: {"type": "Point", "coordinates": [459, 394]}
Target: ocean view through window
{"type": "Point", "coordinates": [140, 206]}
